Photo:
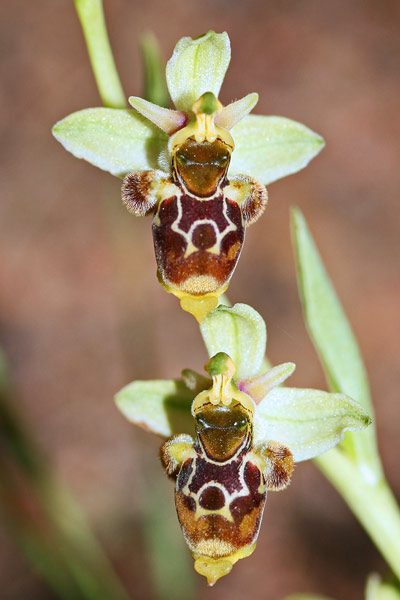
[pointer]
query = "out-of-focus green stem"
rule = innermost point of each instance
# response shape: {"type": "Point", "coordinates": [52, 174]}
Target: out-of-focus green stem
{"type": "Point", "coordinates": [91, 16]}
{"type": "Point", "coordinates": [45, 519]}
{"type": "Point", "coordinates": [155, 86]}
{"type": "Point", "coordinates": [374, 505]}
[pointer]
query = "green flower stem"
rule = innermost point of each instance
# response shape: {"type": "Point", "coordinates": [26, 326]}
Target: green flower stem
{"type": "Point", "coordinates": [91, 16]}
{"type": "Point", "coordinates": [373, 505]}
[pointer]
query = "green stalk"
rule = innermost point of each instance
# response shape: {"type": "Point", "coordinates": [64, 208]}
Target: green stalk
{"type": "Point", "coordinates": [91, 16]}
{"type": "Point", "coordinates": [373, 505]}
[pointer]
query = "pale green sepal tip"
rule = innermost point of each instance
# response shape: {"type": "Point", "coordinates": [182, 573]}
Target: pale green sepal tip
{"type": "Point", "coordinates": [308, 421]}
{"type": "Point", "coordinates": [116, 140]}
{"type": "Point", "coordinates": [240, 332]}
{"type": "Point", "coordinates": [159, 406]}
{"type": "Point", "coordinates": [376, 589]}
{"type": "Point", "coordinates": [269, 148]}
{"type": "Point", "coordinates": [197, 66]}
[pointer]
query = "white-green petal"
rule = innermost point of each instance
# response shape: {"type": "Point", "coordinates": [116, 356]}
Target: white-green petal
{"type": "Point", "coordinates": [115, 140]}
{"type": "Point", "coordinates": [240, 332]}
{"type": "Point", "coordinates": [160, 406]}
{"type": "Point", "coordinates": [197, 66]}
{"type": "Point", "coordinates": [309, 422]}
{"type": "Point", "coordinates": [268, 148]}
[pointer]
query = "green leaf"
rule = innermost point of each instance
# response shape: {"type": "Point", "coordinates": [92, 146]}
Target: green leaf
{"type": "Point", "coordinates": [310, 422]}
{"type": "Point", "coordinates": [268, 148]}
{"type": "Point", "coordinates": [115, 140]}
{"type": "Point", "coordinates": [240, 332]}
{"type": "Point", "coordinates": [160, 406]}
{"type": "Point", "coordinates": [197, 66]}
{"type": "Point", "coordinates": [334, 341]}
{"type": "Point", "coordinates": [376, 589]}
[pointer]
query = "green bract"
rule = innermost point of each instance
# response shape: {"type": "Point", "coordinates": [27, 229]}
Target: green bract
{"type": "Point", "coordinates": [309, 422]}
{"type": "Point", "coordinates": [122, 141]}
{"type": "Point", "coordinates": [334, 341]}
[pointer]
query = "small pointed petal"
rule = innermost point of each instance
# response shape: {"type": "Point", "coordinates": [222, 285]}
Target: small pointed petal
{"type": "Point", "coordinates": [240, 332]}
{"type": "Point", "coordinates": [309, 422]}
{"type": "Point", "coordinates": [166, 119]}
{"type": "Point", "coordinates": [259, 387]}
{"type": "Point", "coordinates": [116, 140]}
{"type": "Point", "coordinates": [197, 66]}
{"type": "Point", "coordinates": [160, 406]}
{"type": "Point", "coordinates": [268, 148]}
{"type": "Point", "coordinates": [236, 111]}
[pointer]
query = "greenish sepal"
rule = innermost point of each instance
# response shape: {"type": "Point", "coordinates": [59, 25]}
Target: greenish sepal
{"type": "Point", "coordinates": [269, 148]}
{"type": "Point", "coordinates": [115, 140]}
{"type": "Point", "coordinates": [239, 331]}
{"type": "Point", "coordinates": [197, 66]}
{"type": "Point", "coordinates": [309, 422]}
{"type": "Point", "coordinates": [159, 406]}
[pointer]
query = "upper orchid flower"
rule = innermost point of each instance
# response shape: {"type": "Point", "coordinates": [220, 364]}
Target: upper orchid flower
{"type": "Point", "coordinates": [200, 169]}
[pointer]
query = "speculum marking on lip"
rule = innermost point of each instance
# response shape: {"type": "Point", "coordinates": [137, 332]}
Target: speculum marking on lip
{"type": "Point", "coordinates": [212, 498]}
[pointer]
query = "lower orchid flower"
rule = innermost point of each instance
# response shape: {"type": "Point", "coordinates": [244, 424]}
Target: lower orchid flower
{"type": "Point", "coordinates": [234, 435]}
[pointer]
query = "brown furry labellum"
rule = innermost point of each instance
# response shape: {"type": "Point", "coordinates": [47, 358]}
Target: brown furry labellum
{"type": "Point", "coordinates": [222, 479]}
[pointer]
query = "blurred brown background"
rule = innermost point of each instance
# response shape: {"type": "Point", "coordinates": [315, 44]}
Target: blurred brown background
{"type": "Point", "coordinates": [81, 312]}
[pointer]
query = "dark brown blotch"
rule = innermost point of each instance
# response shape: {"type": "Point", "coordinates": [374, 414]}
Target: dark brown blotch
{"type": "Point", "coordinates": [212, 498]}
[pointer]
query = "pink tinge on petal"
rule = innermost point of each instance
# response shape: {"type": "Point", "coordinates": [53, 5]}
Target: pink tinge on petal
{"type": "Point", "coordinates": [166, 119]}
